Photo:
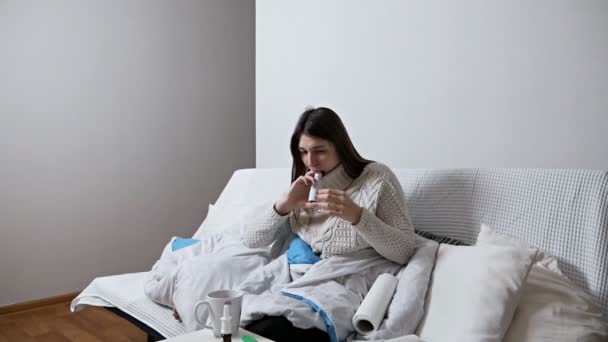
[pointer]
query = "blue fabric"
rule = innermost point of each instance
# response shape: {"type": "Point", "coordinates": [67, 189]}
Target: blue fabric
{"type": "Point", "coordinates": [299, 252]}
{"type": "Point", "coordinates": [179, 243]}
{"type": "Point", "coordinates": [328, 323]}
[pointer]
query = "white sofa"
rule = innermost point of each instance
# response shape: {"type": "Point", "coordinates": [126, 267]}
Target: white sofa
{"type": "Point", "coordinates": [562, 212]}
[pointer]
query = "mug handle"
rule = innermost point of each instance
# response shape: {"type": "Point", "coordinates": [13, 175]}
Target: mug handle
{"type": "Point", "coordinates": [202, 320]}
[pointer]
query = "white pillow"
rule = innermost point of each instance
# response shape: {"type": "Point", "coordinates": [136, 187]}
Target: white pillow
{"type": "Point", "coordinates": [551, 308]}
{"type": "Point", "coordinates": [473, 293]}
{"type": "Point", "coordinates": [226, 217]}
{"type": "Point", "coordinates": [197, 234]}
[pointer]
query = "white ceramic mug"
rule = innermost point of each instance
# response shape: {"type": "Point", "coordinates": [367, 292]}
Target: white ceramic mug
{"type": "Point", "coordinates": [215, 301]}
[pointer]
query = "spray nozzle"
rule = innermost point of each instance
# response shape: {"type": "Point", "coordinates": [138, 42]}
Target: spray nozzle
{"type": "Point", "coordinates": [226, 320]}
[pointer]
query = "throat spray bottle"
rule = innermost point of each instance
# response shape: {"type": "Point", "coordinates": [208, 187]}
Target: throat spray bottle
{"type": "Point", "coordinates": [312, 195]}
{"type": "Point", "coordinates": [226, 325]}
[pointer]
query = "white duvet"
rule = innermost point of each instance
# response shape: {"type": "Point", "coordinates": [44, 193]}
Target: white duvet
{"type": "Point", "coordinates": [219, 261]}
{"type": "Point", "coordinates": [325, 297]}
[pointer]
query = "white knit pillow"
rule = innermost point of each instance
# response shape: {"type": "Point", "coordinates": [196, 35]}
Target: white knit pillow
{"type": "Point", "coordinates": [473, 293]}
{"type": "Point", "coordinates": [551, 308]}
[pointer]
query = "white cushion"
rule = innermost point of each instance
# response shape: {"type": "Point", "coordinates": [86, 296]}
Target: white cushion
{"type": "Point", "coordinates": [473, 293]}
{"type": "Point", "coordinates": [199, 232]}
{"type": "Point", "coordinates": [227, 217]}
{"type": "Point", "coordinates": [247, 186]}
{"type": "Point", "coordinates": [551, 308]}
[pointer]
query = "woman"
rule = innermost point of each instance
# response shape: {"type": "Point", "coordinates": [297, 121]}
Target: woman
{"type": "Point", "coordinates": [360, 205]}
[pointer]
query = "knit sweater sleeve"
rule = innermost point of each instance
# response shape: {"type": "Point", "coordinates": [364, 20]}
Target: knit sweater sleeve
{"type": "Point", "coordinates": [263, 230]}
{"type": "Point", "coordinates": [389, 231]}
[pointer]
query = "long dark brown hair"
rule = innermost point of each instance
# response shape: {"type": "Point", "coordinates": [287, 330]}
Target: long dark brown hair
{"type": "Point", "coordinates": [325, 124]}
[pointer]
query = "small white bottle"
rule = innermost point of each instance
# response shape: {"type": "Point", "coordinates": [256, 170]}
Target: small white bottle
{"type": "Point", "coordinates": [312, 195]}
{"type": "Point", "coordinates": [226, 325]}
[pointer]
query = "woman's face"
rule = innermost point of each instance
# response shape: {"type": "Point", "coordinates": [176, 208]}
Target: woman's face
{"type": "Point", "coordinates": [318, 154]}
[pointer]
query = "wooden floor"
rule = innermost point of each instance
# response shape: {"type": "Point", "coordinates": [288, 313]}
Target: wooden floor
{"type": "Point", "coordinates": [57, 323]}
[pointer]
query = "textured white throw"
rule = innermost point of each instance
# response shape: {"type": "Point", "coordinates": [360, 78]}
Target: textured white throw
{"type": "Point", "coordinates": [563, 212]}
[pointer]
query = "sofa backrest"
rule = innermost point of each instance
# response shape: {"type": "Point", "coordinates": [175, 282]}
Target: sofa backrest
{"type": "Point", "coordinates": [563, 212]}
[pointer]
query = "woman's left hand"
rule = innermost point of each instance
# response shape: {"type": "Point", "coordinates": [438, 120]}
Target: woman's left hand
{"type": "Point", "coordinates": [336, 203]}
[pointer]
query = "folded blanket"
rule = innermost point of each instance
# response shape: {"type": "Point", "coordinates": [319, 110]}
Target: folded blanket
{"type": "Point", "coordinates": [407, 307]}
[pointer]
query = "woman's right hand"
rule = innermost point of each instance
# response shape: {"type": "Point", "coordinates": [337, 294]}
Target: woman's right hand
{"type": "Point", "coordinates": [297, 196]}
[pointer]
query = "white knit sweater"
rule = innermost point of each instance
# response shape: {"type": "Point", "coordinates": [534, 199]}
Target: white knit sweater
{"type": "Point", "coordinates": [385, 224]}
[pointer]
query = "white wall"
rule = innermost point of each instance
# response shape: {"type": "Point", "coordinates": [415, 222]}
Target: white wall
{"type": "Point", "coordinates": [119, 122]}
{"type": "Point", "coordinates": [439, 83]}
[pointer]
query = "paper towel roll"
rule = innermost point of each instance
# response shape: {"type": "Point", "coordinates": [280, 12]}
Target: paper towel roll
{"type": "Point", "coordinates": [373, 307]}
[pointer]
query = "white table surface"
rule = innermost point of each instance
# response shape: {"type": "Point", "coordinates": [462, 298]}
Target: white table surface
{"type": "Point", "coordinates": [206, 335]}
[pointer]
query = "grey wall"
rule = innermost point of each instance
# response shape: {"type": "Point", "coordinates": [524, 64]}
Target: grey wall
{"type": "Point", "coordinates": [439, 83]}
{"type": "Point", "coordinates": [119, 122]}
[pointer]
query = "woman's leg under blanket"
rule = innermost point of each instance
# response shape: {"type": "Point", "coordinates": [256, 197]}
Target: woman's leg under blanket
{"type": "Point", "coordinates": [279, 328]}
